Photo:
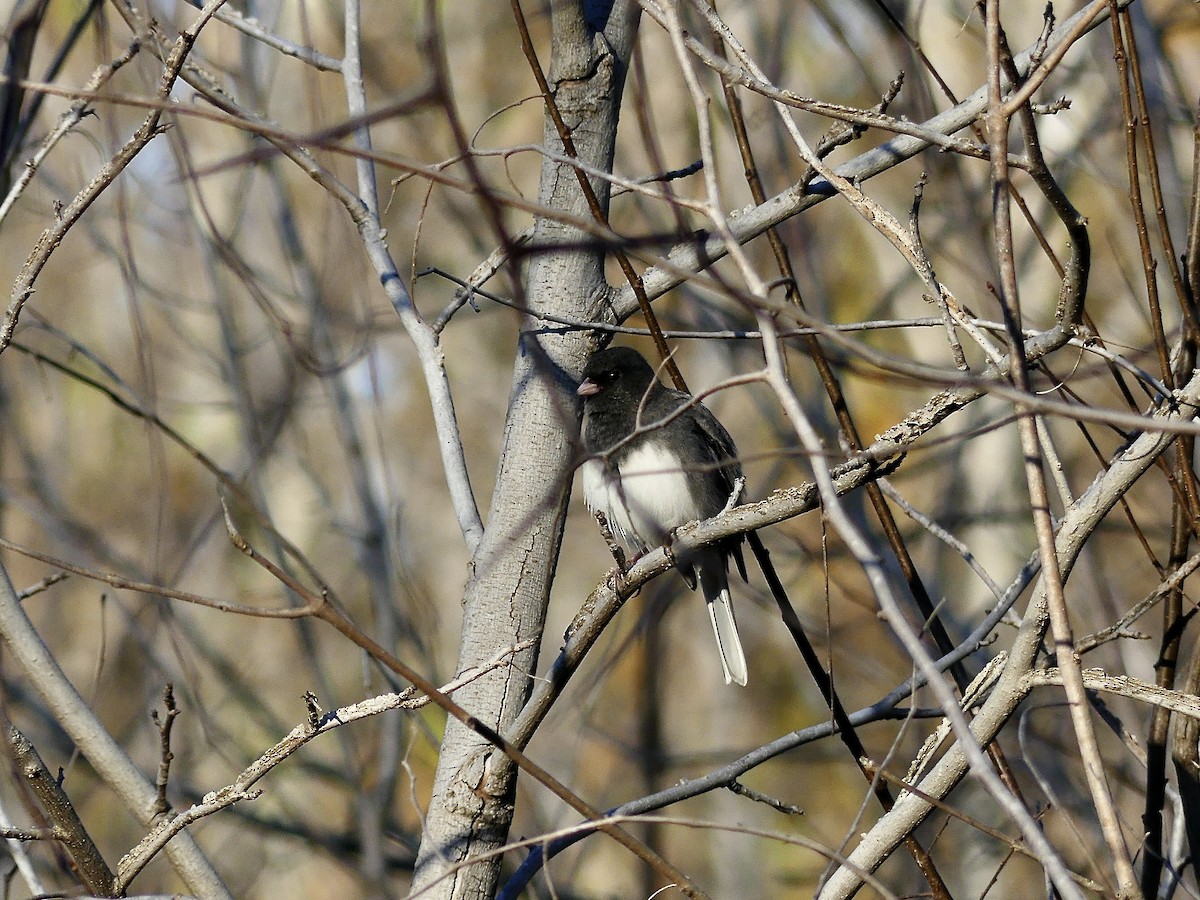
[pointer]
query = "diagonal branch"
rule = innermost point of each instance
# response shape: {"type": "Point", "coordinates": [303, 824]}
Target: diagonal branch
{"type": "Point", "coordinates": [688, 258]}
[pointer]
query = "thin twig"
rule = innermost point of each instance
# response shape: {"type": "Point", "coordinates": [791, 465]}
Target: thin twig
{"type": "Point", "coordinates": [240, 789]}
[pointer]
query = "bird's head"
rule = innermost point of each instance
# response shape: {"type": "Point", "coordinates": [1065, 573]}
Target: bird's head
{"type": "Point", "coordinates": [616, 370]}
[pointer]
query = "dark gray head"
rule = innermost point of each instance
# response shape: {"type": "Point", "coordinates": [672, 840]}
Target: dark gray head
{"type": "Point", "coordinates": [616, 372]}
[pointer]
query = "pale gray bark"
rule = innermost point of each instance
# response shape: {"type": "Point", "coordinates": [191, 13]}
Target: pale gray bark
{"type": "Point", "coordinates": [513, 568]}
{"type": "Point", "coordinates": [110, 760]}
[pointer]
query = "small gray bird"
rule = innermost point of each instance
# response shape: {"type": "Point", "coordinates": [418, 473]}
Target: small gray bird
{"type": "Point", "coordinates": [659, 459]}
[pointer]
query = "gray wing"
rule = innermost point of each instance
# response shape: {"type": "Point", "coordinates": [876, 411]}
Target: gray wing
{"type": "Point", "coordinates": [715, 467]}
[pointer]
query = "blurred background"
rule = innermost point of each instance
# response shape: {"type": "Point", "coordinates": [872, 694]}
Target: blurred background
{"type": "Point", "coordinates": [212, 328]}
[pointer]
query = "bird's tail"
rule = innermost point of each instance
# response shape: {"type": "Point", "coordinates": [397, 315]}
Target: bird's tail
{"type": "Point", "coordinates": [714, 584]}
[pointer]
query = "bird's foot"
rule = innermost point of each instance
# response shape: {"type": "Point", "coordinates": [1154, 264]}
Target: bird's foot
{"type": "Point", "coordinates": [739, 487]}
{"type": "Point", "coordinates": [669, 551]}
{"type": "Point", "coordinates": [669, 546]}
{"type": "Point", "coordinates": [613, 547]}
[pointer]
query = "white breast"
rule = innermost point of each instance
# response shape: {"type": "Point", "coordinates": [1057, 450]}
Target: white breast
{"type": "Point", "coordinates": [644, 500]}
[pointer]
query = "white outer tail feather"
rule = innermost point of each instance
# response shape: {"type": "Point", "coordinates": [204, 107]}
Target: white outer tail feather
{"type": "Point", "coordinates": [714, 583]}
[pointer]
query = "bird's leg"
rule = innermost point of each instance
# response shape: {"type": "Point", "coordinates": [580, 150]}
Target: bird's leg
{"type": "Point", "coordinates": [669, 546]}
{"type": "Point", "coordinates": [613, 547]}
{"type": "Point", "coordinates": [669, 551]}
{"type": "Point", "coordinates": [616, 579]}
{"type": "Point", "coordinates": [689, 574]}
{"type": "Point", "coordinates": [736, 497]}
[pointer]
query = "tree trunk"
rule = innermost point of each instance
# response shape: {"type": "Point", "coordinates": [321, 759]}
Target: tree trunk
{"type": "Point", "coordinates": [509, 586]}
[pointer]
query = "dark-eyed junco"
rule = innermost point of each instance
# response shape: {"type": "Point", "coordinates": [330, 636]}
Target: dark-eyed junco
{"type": "Point", "coordinates": [658, 459]}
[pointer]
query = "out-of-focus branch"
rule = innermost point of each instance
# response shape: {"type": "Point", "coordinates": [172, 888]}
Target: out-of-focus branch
{"type": "Point", "coordinates": [93, 870]}
{"type": "Point", "coordinates": [52, 236]}
{"type": "Point", "coordinates": [66, 122]}
{"type": "Point", "coordinates": [20, 32]}
{"type": "Point", "coordinates": [997, 128]}
{"type": "Point", "coordinates": [1074, 529]}
{"type": "Point", "coordinates": [158, 590]}
{"type": "Point", "coordinates": [690, 257]}
{"type": "Point", "coordinates": [241, 788]}
{"type": "Point", "coordinates": [255, 29]}
{"type": "Point", "coordinates": [423, 337]}
{"type": "Point", "coordinates": [909, 636]}
{"type": "Point", "coordinates": [369, 227]}
{"type": "Point", "coordinates": [106, 756]}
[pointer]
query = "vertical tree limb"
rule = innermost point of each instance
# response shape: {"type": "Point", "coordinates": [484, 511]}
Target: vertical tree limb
{"type": "Point", "coordinates": [513, 568]}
